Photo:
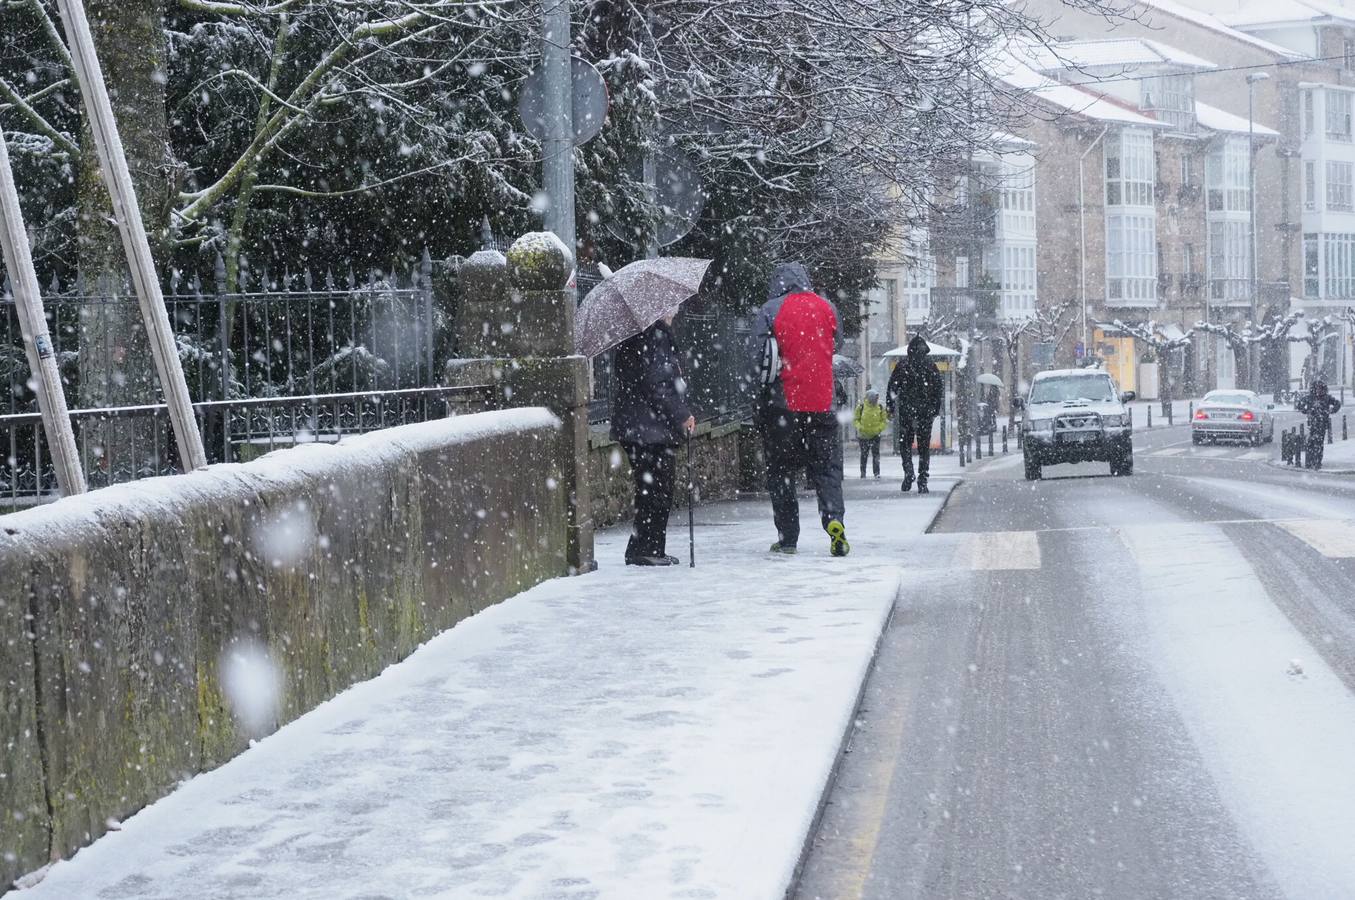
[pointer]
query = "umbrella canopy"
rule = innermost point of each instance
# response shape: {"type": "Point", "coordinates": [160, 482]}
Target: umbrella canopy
{"type": "Point", "coordinates": [989, 378]}
{"type": "Point", "coordinates": [632, 299]}
{"type": "Point", "coordinates": [935, 351]}
{"type": "Point", "coordinates": [846, 368]}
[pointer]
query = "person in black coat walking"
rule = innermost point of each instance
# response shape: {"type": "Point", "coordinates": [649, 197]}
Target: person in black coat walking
{"type": "Point", "coordinates": [649, 419]}
{"type": "Point", "coordinates": [1319, 404]}
{"type": "Point", "coordinates": [914, 396]}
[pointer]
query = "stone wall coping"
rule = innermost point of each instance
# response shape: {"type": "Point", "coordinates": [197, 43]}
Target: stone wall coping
{"type": "Point", "coordinates": [600, 436]}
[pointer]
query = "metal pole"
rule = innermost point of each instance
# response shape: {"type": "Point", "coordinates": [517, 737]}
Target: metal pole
{"type": "Point", "coordinates": [1251, 227]}
{"type": "Point", "coordinates": [1082, 229]}
{"type": "Point", "coordinates": [557, 165]}
{"type": "Point", "coordinates": [691, 507]}
{"type": "Point", "coordinates": [18, 256]}
{"type": "Point", "coordinates": [127, 212]}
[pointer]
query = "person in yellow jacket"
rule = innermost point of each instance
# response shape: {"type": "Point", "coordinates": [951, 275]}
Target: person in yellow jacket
{"type": "Point", "coordinates": [870, 420]}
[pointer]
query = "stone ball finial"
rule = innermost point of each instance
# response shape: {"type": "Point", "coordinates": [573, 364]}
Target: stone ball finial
{"type": "Point", "coordinates": [485, 275]}
{"type": "Point", "coordinates": [539, 261]}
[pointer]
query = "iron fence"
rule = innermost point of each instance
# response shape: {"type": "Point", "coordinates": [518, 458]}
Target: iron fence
{"type": "Point", "coordinates": [290, 336]}
{"type": "Point", "coordinates": [126, 443]}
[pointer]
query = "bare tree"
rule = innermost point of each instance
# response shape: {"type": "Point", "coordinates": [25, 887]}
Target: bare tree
{"type": "Point", "coordinates": [1318, 333]}
{"type": "Point", "coordinates": [1162, 346]}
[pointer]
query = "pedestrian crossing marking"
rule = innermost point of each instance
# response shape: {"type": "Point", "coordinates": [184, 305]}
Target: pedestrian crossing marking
{"type": "Point", "coordinates": [1000, 550]}
{"type": "Point", "coordinates": [1171, 451]}
{"type": "Point", "coordinates": [1333, 538]}
{"type": "Point", "coordinates": [1212, 451]}
{"type": "Point", "coordinates": [1256, 455]}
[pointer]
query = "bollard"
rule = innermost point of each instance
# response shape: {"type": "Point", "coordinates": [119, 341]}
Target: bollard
{"type": "Point", "coordinates": [978, 445]}
{"type": "Point", "coordinates": [1168, 406]}
{"type": "Point", "coordinates": [1131, 417]}
{"type": "Point", "coordinates": [1345, 435]}
{"type": "Point", "coordinates": [990, 443]}
{"type": "Point", "coordinates": [961, 448]}
{"type": "Point", "coordinates": [1331, 434]}
{"type": "Point", "coordinates": [1284, 447]}
{"type": "Point", "coordinates": [1150, 417]}
{"type": "Point", "coordinates": [1004, 436]}
{"type": "Point", "coordinates": [1190, 411]}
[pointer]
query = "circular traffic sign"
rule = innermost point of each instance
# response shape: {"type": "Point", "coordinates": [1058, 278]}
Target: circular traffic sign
{"type": "Point", "coordinates": [590, 101]}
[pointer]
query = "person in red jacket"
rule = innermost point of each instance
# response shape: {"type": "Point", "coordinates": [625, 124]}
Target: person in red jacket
{"type": "Point", "coordinates": [792, 344]}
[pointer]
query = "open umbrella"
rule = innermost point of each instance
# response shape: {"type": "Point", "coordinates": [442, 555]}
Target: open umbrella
{"type": "Point", "coordinates": [844, 367]}
{"type": "Point", "coordinates": [632, 299]}
{"type": "Point", "coordinates": [989, 378]}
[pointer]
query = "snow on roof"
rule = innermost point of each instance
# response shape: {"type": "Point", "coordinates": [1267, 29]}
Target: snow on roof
{"type": "Point", "coordinates": [1006, 139]}
{"type": "Point", "coordinates": [1216, 119]}
{"type": "Point", "coordinates": [1213, 23]}
{"type": "Point", "coordinates": [1068, 98]}
{"type": "Point", "coordinates": [1286, 12]}
{"type": "Point", "coordinates": [1118, 53]}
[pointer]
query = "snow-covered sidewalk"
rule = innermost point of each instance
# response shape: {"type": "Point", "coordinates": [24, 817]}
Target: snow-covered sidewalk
{"type": "Point", "coordinates": [631, 733]}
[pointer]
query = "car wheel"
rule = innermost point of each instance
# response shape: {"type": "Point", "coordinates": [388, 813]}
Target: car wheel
{"type": "Point", "coordinates": [1197, 439]}
{"type": "Point", "coordinates": [1033, 470]}
{"type": "Point", "coordinates": [1124, 465]}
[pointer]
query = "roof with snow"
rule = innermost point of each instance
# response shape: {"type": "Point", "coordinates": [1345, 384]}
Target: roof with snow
{"type": "Point", "coordinates": [1215, 24]}
{"type": "Point", "coordinates": [1069, 99]}
{"type": "Point", "coordinates": [1216, 119]}
{"type": "Point", "coordinates": [1117, 53]}
{"type": "Point", "coordinates": [1275, 13]}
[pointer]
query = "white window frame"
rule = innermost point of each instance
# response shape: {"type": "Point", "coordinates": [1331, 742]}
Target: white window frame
{"type": "Point", "coordinates": [1227, 176]}
{"type": "Point", "coordinates": [1229, 259]}
{"type": "Point", "coordinates": [1340, 186]}
{"type": "Point", "coordinates": [1131, 258]}
{"type": "Point", "coordinates": [1130, 168]}
{"type": "Point", "coordinates": [1338, 115]}
{"type": "Point", "coordinates": [1310, 185]}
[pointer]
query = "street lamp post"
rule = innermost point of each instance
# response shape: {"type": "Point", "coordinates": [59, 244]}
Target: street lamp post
{"type": "Point", "coordinates": [1253, 375]}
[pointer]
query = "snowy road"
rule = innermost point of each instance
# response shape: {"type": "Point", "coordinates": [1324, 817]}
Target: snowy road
{"type": "Point", "coordinates": [1112, 687]}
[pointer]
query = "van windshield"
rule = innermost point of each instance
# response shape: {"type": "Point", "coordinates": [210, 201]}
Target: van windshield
{"type": "Point", "coordinates": [1073, 387]}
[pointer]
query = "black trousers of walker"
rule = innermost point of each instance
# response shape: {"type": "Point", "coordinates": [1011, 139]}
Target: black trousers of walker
{"type": "Point", "coordinates": [653, 468]}
{"type": "Point", "coordinates": [794, 441]}
{"type": "Point", "coordinates": [915, 428]}
{"type": "Point", "coordinates": [870, 448]}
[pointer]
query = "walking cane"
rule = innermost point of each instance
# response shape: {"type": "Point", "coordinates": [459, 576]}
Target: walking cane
{"type": "Point", "coordinates": [691, 507]}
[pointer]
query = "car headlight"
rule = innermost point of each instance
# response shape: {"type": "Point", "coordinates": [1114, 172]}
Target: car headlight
{"type": "Point", "coordinates": [1113, 421]}
{"type": "Point", "coordinates": [1042, 425]}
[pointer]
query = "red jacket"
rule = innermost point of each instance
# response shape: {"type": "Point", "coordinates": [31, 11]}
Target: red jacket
{"type": "Point", "coordinates": [795, 336]}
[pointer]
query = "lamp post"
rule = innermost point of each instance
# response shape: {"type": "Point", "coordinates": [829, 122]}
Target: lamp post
{"type": "Point", "coordinates": [1082, 233]}
{"type": "Point", "coordinates": [1253, 375]}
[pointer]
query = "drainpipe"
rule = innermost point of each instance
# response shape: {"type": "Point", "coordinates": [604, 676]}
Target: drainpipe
{"type": "Point", "coordinates": [1082, 230]}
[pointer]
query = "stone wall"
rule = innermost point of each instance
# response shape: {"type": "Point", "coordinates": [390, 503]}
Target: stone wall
{"type": "Point", "coordinates": [118, 607]}
{"type": "Point", "coordinates": [715, 462]}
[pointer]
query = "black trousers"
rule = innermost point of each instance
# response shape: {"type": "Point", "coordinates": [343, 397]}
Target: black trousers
{"type": "Point", "coordinates": [653, 467]}
{"type": "Point", "coordinates": [1316, 446]}
{"type": "Point", "coordinates": [794, 441]}
{"type": "Point", "coordinates": [915, 428]}
{"type": "Point", "coordinates": [870, 448]}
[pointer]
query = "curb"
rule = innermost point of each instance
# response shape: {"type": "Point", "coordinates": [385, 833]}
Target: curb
{"type": "Point", "coordinates": [1284, 467]}
{"type": "Point", "coordinates": [845, 743]}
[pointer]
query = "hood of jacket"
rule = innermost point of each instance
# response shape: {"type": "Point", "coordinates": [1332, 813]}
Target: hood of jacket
{"type": "Point", "coordinates": [788, 278]}
{"type": "Point", "coordinates": [918, 351]}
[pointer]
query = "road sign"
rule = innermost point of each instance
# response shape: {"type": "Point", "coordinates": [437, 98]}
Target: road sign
{"type": "Point", "coordinates": [1079, 350]}
{"type": "Point", "coordinates": [590, 102]}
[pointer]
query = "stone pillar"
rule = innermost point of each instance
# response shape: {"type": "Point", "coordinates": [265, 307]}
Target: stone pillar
{"type": "Point", "coordinates": [517, 326]}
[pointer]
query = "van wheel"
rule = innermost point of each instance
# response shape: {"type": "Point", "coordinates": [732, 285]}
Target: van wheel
{"type": "Point", "coordinates": [1033, 471]}
{"type": "Point", "coordinates": [1124, 465]}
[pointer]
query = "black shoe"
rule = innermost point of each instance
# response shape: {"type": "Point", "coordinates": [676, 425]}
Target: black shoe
{"type": "Point", "coordinates": [922, 488]}
{"type": "Point", "coordinates": [907, 483]}
{"type": "Point", "coordinates": [651, 561]}
{"type": "Point", "coordinates": [672, 560]}
{"type": "Point", "coordinates": [783, 549]}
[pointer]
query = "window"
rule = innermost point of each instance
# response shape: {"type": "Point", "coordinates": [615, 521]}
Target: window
{"type": "Point", "coordinates": [917, 289]}
{"type": "Point", "coordinates": [1229, 260]}
{"type": "Point", "coordinates": [1310, 185]}
{"type": "Point", "coordinates": [1187, 258]}
{"type": "Point", "coordinates": [1311, 273]}
{"type": "Point", "coordinates": [1129, 168]}
{"type": "Point", "coordinates": [1172, 97]}
{"type": "Point", "coordinates": [1338, 116]}
{"type": "Point", "coordinates": [962, 271]}
{"type": "Point", "coordinates": [1339, 258]}
{"type": "Point", "coordinates": [1307, 113]}
{"type": "Point", "coordinates": [1350, 54]}
{"type": "Point", "coordinates": [1186, 170]}
{"type": "Point", "coordinates": [1131, 259]}
{"type": "Point", "coordinates": [1226, 175]}
{"type": "Point", "coordinates": [1018, 280]}
{"type": "Point", "coordinates": [1339, 196]}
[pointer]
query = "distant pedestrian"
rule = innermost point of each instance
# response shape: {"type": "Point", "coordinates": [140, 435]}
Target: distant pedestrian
{"type": "Point", "coordinates": [650, 418]}
{"type": "Point", "coordinates": [870, 420]}
{"type": "Point", "coordinates": [792, 345]}
{"type": "Point", "coordinates": [913, 397]}
{"type": "Point", "coordinates": [1319, 405]}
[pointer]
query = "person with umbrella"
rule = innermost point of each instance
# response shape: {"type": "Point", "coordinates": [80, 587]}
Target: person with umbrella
{"type": "Point", "coordinates": [632, 310]}
{"type": "Point", "coordinates": [791, 350]}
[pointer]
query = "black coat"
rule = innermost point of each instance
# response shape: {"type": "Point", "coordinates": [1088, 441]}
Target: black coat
{"type": "Point", "coordinates": [1319, 408]}
{"type": "Point", "coordinates": [648, 393]}
{"type": "Point", "coordinates": [915, 388]}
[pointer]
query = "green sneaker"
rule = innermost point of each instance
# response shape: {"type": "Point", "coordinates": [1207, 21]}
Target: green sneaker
{"type": "Point", "coordinates": [837, 538]}
{"type": "Point", "coordinates": [788, 550]}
